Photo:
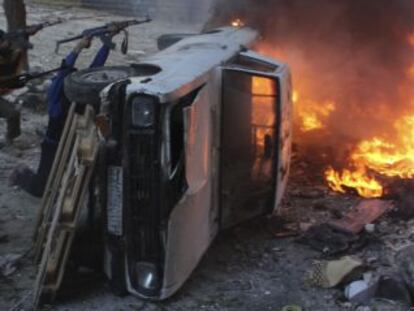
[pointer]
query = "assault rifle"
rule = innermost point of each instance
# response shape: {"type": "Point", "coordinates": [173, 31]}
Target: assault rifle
{"type": "Point", "coordinates": [103, 32]}
{"type": "Point", "coordinates": [21, 80]}
{"type": "Point", "coordinates": [20, 37]}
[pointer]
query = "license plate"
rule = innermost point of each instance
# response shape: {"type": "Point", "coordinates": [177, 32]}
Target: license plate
{"type": "Point", "coordinates": [114, 205]}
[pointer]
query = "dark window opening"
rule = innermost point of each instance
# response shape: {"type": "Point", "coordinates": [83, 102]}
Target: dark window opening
{"type": "Point", "coordinates": [253, 64]}
{"type": "Point", "coordinates": [177, 130]}
{"type": "Point", "coordinates": [176, 136]}
{"type": "Point", "coordinates": [178, 182]}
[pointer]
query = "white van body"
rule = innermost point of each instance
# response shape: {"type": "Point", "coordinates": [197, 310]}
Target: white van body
{"type": "Point", "coordinates": [199, 142]}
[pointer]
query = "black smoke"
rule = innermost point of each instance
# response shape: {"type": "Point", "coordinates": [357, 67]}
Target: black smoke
{"type": "Point", "coordinates": [354, 52]}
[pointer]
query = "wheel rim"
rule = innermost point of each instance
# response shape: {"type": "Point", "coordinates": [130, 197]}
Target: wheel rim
{"type": "Point", "coordinates": [104, 76]}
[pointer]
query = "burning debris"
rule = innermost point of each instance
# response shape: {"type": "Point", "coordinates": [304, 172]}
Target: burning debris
{"type": "Point", "coordinates": [352, 66]}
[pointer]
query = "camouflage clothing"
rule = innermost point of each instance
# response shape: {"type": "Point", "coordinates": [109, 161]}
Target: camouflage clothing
{"type": "Point", "coordinates": [11, 62]}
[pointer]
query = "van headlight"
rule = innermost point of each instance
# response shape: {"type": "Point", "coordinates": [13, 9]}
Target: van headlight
{"type": "Point", "coordinates": [143, 112]}
{"type": "Point", "coordinates": [148, 277]}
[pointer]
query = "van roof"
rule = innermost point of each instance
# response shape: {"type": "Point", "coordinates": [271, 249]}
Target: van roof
{"type": "Point", "coordinates": [183, 66]}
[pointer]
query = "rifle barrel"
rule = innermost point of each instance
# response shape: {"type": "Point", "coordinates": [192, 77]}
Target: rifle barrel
{"type": "Point", "coordinates": [103, 30]}
{"type": "Point", "coordinates": [70, 39]}
{"type": "Point", "coordinates": [21, 80]}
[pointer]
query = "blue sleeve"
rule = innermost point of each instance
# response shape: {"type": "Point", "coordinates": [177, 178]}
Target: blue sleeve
{"type": "Point", "coordinates": [55, 91]}
{"type": "Point", "coordinates": [101, 57]}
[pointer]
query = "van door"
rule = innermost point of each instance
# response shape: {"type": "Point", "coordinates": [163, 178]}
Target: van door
{"type": "Point", "coordinates": [255, 137]}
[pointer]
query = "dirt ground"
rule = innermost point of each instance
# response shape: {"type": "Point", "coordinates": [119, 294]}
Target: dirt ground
{"type": "Point", "coordinates": [246, 268]}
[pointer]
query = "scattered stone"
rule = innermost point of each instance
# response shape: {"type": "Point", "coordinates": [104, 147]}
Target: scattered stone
{"type": "Point", "coordinates": [8, 264]}
{"type": "Point", "coordinates": [371, 260]}
{"type": "Point", "coordinates": [370, 228]}
{"type": "Point", "coordinates": [329, 240]}
{"type": "Point", "coordinates": [383, 305]}
{"type": "Point", "coordinates": [355, 289]}
{"type": "Point", "coordinates": [305, 226]}
{"type": "Point", "coordinates": [34, 101]}
{"type": "Point", "coordinates": [282, 228]}
{"type": "Point", "coordinates": [405, 262]}
{"type": "Point", "coordinates": [392, 288]}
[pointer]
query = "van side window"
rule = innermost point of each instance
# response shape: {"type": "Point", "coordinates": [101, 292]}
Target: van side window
{"type": "Point", "coordinates": [177, 128]}
{"type": "Point", "coordinates": [176, 136]}
{"type": "Point", "coordinates": [178, 183]}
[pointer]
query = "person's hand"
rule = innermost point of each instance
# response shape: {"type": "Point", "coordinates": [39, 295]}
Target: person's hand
{"type": "Point", "coordinates": [84, 43]}
{"type": "Point", "coordinates": [32, 30]}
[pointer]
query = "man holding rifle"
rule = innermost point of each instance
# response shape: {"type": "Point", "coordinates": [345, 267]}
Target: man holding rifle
{"type": "Point", "coordinates": [58, 106]}
{"type": "Point", "coordinates": [12, 63]}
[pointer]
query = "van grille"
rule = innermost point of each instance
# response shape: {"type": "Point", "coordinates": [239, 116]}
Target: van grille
{"type": "Point", "coordinates": [144, 207]}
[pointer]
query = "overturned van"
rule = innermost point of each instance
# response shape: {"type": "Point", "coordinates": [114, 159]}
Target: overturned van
{"type": "Point", "coordinates": [198, 140]}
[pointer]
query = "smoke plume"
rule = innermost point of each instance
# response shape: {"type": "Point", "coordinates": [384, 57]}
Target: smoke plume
{"type": "Point", "coordinates": [355, 53]}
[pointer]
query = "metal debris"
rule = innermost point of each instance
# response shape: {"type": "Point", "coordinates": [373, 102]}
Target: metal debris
{"type": "Point", "coordinates": [9, 264]}
{"type": "Point", "coordinates": [366, 212]}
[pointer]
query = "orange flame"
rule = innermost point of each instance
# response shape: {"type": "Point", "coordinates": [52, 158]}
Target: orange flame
{"type": "Point", "coordinates": [390, 155]}
{"type": "Point", "coordinates": [367, 187]}
{"type": "Point", "coordinates": [313, 114]}
{"type": "Point", "coordinates": [264, 92]}
{"type": "Point", "coordinates": [393, 159]}
{"type": "Point", "coordinates": [411, 39]}
{"type": "Point", "coordinates": [237, 23]}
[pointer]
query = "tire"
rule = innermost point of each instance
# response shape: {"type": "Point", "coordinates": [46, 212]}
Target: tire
{"type": "Point", "coordinates": [84, 86]}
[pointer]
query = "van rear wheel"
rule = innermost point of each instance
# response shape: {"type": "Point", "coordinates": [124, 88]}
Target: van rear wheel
{"type": "Point", "coordinates": [84, 86]}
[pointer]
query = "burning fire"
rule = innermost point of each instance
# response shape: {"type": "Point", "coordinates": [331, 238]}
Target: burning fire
{"type": "Point", "coordinates": [237, 23]}
{"type": "Point", "coordinates": [392, 158]}
{"type": "Point", "coordinates": [411, 39]}
{"type": "Point", "coordinates": [264, 92]}
{"type": "Point", "coordinates": [389, 155]}
{"type": "Point", "coordinates": [311, 113]}
{"type": "Point", "coordinates": [358, 179]}
{"type": "Point", "coordinates": [350, 84]}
